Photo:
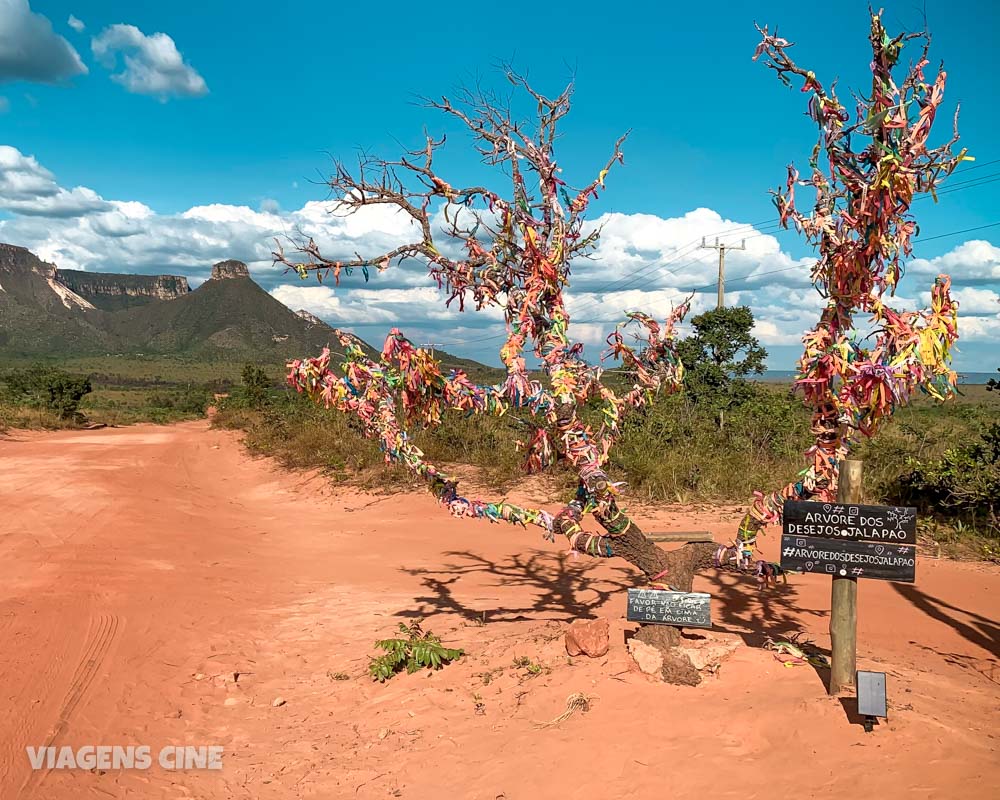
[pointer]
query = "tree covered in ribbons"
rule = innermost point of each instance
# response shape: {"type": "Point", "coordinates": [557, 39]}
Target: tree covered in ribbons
{"type": "Point", "coordinates": [511, 249]}
{"type": "Point", "coordinates": [865, 170]}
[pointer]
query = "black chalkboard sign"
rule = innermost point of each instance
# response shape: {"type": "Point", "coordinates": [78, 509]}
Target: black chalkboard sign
{"type": "Point", "coordinates": [846, 558]}
{"type": "Point", "coordinates": [662, 607]}
{"type": "Point", "coordinates": [850, 522]}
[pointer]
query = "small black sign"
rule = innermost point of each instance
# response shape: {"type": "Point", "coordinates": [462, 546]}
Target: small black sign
{"type": "Point", "coordinates": [662, 607]}
{"type": "Point", "coordinates": [850, 522]}
{"type": "Point", "coordinates": [846, 558]}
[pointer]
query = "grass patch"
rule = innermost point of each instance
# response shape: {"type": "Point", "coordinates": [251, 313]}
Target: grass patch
{"type": "Point", "coordinates": [675, 451]}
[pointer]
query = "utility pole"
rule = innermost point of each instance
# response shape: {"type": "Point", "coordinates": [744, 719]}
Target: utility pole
{"type": "Point", "coordinates": [431, 345]}
{"type": "Point", "coordinates": [722, 248]}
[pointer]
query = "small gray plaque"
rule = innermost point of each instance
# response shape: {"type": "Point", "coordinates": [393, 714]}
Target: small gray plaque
{"type": "Point", "coordinates": [662, 607]}
{"type": "Point", "coordinates": [871, 694]}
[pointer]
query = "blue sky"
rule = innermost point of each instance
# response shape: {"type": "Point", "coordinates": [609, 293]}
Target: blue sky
{"type": "Point", "coordinates": [197, 154]}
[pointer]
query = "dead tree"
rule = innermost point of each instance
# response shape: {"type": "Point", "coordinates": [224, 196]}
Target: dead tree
{"type": "Point", "coordinates": [514, 251]}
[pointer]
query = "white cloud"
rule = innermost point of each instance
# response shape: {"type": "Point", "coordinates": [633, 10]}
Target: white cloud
{"type": "Point", "coordinates": [649, 252]}
{"type": "Point", "coordinates": [26, 187]}
{"type": "Point", "coordinates": [77, 228]}
{"type": "Point", "coordinates": [30, 50]}
{"type": "Point", "coordinates": [972, 300]}
{"type": "Point", "coordinates": [975, 260]}
{"type": "Point", "coordinates": [981, 329]}
{"type": "Point", "coordinates": [325, 303]}
{"type": "Point", "coordinates": [75, 24]}
{"type": "Point", "coordinates": [770, 333]}
{"type": "Point", "coordinates": [153, 64]}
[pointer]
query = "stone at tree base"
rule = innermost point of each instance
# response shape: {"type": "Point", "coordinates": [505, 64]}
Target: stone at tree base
{"type": "Point", "coordinates": [663, 652]}
{"type": "Point", "coordinates": [647, 658]}
{"type": "Point", "coordinates": [591, 637]}
{"type": "Point", "coordinates": [707, 651]}
{"type": "Point", "coordinates": [677, 667]}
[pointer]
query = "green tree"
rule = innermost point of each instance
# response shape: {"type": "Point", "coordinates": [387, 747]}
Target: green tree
{"type": "Point", "coordinates": [39, 386]}
{"type": "Point", "coordinates": [719, 356]}
{"type": "Point", "coordinates": [993, 385]}
{"type": "Point", "coordinates": [255, 385]}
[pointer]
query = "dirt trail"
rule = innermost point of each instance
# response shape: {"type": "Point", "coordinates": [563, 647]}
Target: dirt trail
{"type": "Point", "coordinates": [143, 567]}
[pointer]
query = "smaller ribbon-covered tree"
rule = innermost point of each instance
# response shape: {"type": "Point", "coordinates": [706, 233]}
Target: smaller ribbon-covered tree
{"type": "Point", "coordinates": [866, 171]}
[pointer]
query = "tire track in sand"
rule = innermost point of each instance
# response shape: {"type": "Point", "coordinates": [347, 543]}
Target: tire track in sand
{"type": "Point", "coordinates": [101, 634]}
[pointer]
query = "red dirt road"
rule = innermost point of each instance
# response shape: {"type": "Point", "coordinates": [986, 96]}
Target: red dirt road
{"type": "Point", "coordinates": [144, 566]}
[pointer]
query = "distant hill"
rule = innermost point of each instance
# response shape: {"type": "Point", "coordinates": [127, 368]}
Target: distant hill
{"type": "Point", "coordinates": [40, 315]}
{"type": "Point", "coordinates": [228, 314]}
{"type": "Point", "coordinates": [46, 311]}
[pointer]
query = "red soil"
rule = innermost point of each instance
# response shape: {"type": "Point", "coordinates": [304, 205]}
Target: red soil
{"type": "Point", "coordinates": [144, 566]}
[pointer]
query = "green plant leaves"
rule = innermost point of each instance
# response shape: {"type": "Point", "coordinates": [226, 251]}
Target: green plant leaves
{"type": "Point", "coordinates": [419, 650]}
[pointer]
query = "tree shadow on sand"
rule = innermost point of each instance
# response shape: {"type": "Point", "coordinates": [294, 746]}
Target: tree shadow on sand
{"type": "Point", "coordinates": [563, 587]}
{"type": "Point", "coordinates": [740, 607]}
{"type": "Point", "coordinates": [980, 631]}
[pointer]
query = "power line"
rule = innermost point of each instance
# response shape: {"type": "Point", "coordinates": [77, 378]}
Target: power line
{"type": "Point", "coordinates": [976, 166]}
{"type": "Point", "coordinates": [763, 228]}
{"type": "Point", "coordinates": [956, 233]}
{"type": "Point", "coordinates": [749, 276]}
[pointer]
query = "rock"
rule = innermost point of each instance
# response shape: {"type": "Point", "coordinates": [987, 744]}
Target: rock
{"type": "Point", "coordinates": [229, 269]}
{"type": "Point", "coordinates": [709, 651]}
{"type": "Point", "coordinates": [684, 664]}
{"type": "Point", "coordinates": [312, 319]}
{"type": "Point", "coordinates": [231, 701]}
{"type": "Point", "coordinates": [647, 658]}
{"type": "Point", "coordinates": [278, 701]}
{"type": "Point", "coordinates": [590, 637]}
{"type": "Point", "coordinates": [96, 286]}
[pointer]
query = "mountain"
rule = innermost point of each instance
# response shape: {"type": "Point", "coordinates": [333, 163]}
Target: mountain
{"type": "Point", "coordinates": [227, 314]}
{"type": "Point", "coordinates": [45, 311]}
{"type": "Point", "coordinates": [38, 314]}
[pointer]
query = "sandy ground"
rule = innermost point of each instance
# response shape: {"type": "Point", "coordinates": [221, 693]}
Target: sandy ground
{"type": "Point", "coordinates": [144, 566]}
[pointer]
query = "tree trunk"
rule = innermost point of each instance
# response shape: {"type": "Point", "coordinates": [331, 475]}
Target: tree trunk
{"type": "Point", "coordinates": [626, 540]}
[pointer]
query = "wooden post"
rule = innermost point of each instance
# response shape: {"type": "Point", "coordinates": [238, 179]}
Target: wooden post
{"type": "Point", "coordinates": [844, 598]}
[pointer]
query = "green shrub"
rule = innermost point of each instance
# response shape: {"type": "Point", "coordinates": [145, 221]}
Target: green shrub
{"type": "Point", "coordinates": [719, 356]}
{"type": "Point", "coordinates": [256, 385]}
{"type": "Point", "coordinates": [48, 388]}
{"type": "Point", "coordinates": [964, 483]}
{"type": "Point", "coordinates": [190, 400]}
{"type": "Point", "coordinates": [418, 650]}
